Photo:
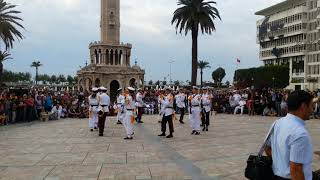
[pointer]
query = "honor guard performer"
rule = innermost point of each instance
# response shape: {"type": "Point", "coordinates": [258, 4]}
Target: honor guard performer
{"type": "Point", "coordinates": [104, 103]}
{"type": "Point", "coordinates": [195, 111]}
{"type": "Point", "coordinates": [140, 104]}
{"type": "Point", "coordinates": [93, 100]}
{"type": "Point", "coordinates": [167, 113]}
{"type": "Point", "coordinates": [119, 106]}
{"type": "Point", "coordinates": [181, 103]}
{"type": "Point", "coordinates": [129, 105]}
{"type": "Point", "coordinates": [206, 102]}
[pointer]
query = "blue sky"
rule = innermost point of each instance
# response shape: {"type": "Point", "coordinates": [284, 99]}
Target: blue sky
{"type": "Point", "coordinates": [58, 34]}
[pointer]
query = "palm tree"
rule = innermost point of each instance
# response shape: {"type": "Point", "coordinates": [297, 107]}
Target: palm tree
{"type": "Point", "coordinates": [9, 24]}
{"type": "Point", "coordinates": [36, 64]}
{"type": "Point", "coordinates": [203, 65]}
{"type": "Point", "coordinates": [3, 57]}
{"type": "Point", "coordinates": [195, 14]}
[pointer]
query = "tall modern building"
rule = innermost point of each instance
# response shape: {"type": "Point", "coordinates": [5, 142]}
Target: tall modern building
{"type": "Point", "coordinates": [109, 59]}
{"type": "Point", "coordinates": [289, 34]}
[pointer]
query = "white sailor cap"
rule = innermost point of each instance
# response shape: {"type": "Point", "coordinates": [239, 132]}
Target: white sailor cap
{"type": "Point", "coordinates": [120, 89]}
{"type": "Point", "coordinates": [195, 87]}
{"type": "Point", "coordinates": [204, 88]}
{"type": "Point", "coordinates": [95, 89]}
{"type": "Point", "coordinates": [139, 89]}
{"type": "Point", "coordinates": [103, 88]}
{"type": "Point", "coordinates": [168, 88]}
{"type": "Point", "coordinates": [131, 89]}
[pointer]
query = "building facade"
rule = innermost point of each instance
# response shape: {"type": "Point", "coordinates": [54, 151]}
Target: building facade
{"type": "Point", "coordinates": [289, 34]}
{"type": "Point", "coordinates": [109, 59]}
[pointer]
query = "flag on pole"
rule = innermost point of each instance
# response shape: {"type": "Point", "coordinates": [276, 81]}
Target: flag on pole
{"type": "Point", "coordinates": [238, 60]}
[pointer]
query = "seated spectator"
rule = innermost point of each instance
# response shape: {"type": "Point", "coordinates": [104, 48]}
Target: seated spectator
{"type": "Point", "coordinates": [74, 112]}
{"type": "Point", "coordinates": [56, 112]}
{"type": "Point", "coordinates": [64, 112]}
{"type": "Point", "coordinates": [241, 106]}
{"type": "Point", "coordinates": [269, 111]}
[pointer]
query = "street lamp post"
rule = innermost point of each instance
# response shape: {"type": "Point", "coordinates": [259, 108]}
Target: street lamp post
{"type": "Point", "coordinates": [170, 62]}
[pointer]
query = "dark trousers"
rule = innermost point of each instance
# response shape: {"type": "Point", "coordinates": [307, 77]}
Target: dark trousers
{"type": "Point", "coordinates": [101, 122]}
{"type": "Point", "coordinates": [139, 115]}
{"type": "Point", "coordinates": [205, 118]}
{"type": "Point", "coordinates": [164, 121]}
{"type": "Point", "coordinates": [181, 113]}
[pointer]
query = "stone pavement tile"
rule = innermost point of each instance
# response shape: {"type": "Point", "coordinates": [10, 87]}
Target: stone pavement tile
{"type": "Point", "coordinates": [20, 159]}
{"type": "Point", "coordinates": [53, 148]}
{"type": "Point", "coordinates": [74, 172]}
{"type": "Point", "coordinates": [237, 176]}
{"type": "Point", "coordinates": [223, 167]}
{"type": "Point", "coordinates": [63, 159]}
{"type": "Point", "coordinates": [94, 158]}
{"type": "Point", "coordinates": [167, 171]}
{"type": "Point", "coordinates": [146, 157]}
{"type": "Point", "coordinates": [90, 148]}
{"type": "Point", "coordinates": [199, 154]}
{"type": "Point", "coordinates": [25, 173]}
{"type": "Point", "coordinates": [18, 148]}
{"type": "Point", "coordinates": [75, 140]}
{"type": "Point", "coordinates": [124, 172]}
{"type": "Point", "coordinates": [125, 147]}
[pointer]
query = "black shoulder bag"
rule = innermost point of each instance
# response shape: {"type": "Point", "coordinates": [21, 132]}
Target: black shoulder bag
{"type": "Point", "coordinates": [259, 167]}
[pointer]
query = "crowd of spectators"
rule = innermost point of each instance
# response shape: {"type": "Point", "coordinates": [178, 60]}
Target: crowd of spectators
{"type": "Point", "coordinates": [25, 105]}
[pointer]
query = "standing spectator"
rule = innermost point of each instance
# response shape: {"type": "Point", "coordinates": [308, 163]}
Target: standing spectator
{"type": "Point", "coordinates": [48, 103]}
{"type": "Point", "coordinates": [39, 105]}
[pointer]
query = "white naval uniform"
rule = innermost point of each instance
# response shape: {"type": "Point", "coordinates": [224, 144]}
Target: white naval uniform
{"type": "Point", "coordinates": [139, 100]}
{"type": "Point", "coordinates": [206, 101]}
{"type": "Point", "coordinates": [120, 108]}
{"type": "Point", "coordinates": [194, 116]}
{"type": "Point", "coordinates": [93, 111]}
{"type": "Point", "coordinates": [104, 102]}
{"type": "Point", "coordinates": [129, 113]}
{"type": "Point", "coordinates": [180, 100]}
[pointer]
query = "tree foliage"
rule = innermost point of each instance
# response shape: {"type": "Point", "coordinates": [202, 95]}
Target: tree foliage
{"type": "Point", "coordinates": [9, 24]}
{"type": "Point", "coordinates": [192, 16]}
{"type": "Point", "coordinates": [265, 76]}
{"type": "Point", "coordinates": [218, 75]}
{"type": "Point", "coordinates": [9, 76]}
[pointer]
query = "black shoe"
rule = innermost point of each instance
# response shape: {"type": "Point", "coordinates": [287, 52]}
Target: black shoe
{"type": "Point", "coordinates": [140, 121]}
{"type": "Point", "coordinates": [100, 134]}
{"type": "Point", "coordinates": [170, 136]}
{"type": "Point", "coordinates": [163, 134]}
{"type": "Point", "coordinates": [201, 125]}
{"type": "Point", "coordinates": [128, 138]}
{"type": "Point", "coordinates": [204, 128]}
{"type": "Point", "coordinates": [193, 132]}
{"type": "Point", "coordinates": [91, 129]}
{"type": "Point", "coordinates": [95, 128]}
{"type": "Point", "coordinates": [181, 122]}
{"type": "Point", "coordinates": [119, 122]}
{"type": "Point", "coordinates": [197, 133]}
{"type": "Point", "coordinates": [207, 129]}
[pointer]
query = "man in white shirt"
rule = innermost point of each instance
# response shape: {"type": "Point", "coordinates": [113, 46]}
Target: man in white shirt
{"type": "Point", "coordinates": [181, 104]}
{"type": "Point", "coordinates": [290, 144]}
{"type": "Point", "coordinates": [242, 104]}
{"type": "Point", "coordinates": [168, 113]}
{"type": "Point", "coordinates": [104, 103]}
{"type": "Point", "coordinates": [140, 104]}
{"type": "Point", "coordinates": [56, 111]}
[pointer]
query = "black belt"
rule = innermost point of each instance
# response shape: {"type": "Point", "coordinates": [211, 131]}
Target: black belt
{"type": "Point", "coordinates": [196, 106]}
{"type": "Point", "coordinates": [129, 109]}
{"type": "Point", "coordinates": [94, 105]}
{"type": "Point", "coordinates": [103, 105]}
{"type": "Point", "coordinates": [169, 107]}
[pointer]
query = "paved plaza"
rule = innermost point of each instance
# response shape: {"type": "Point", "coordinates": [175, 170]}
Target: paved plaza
{"type": "Point", "coordinates": [66, 149]}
